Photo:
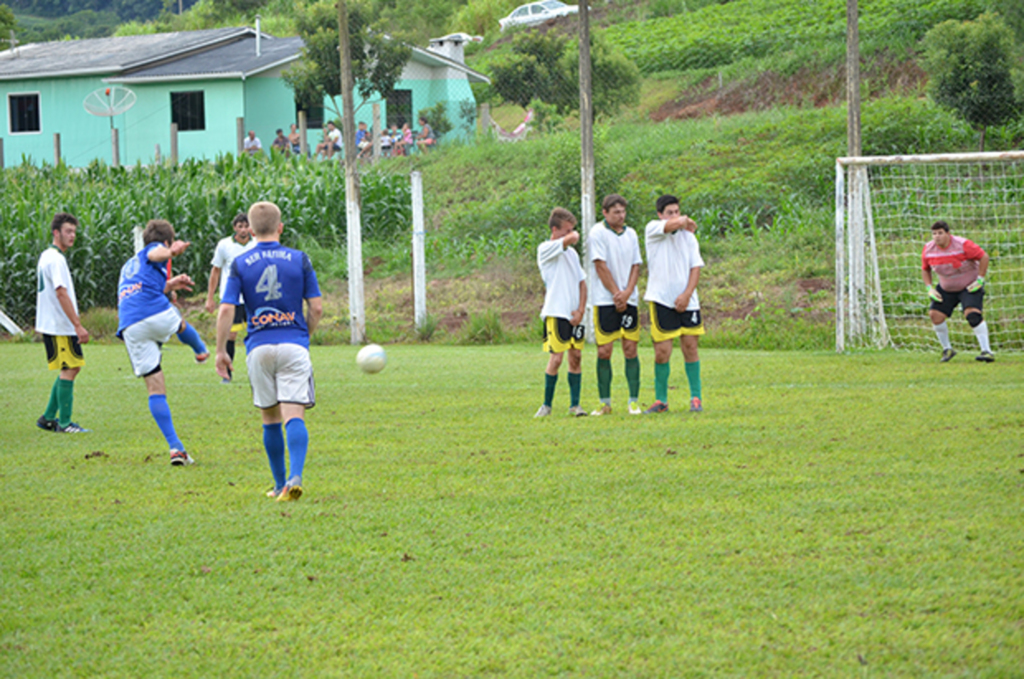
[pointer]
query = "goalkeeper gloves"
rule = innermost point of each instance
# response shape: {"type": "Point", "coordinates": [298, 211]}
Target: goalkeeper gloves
{"type": "Point", "coordinates": [934, 293]}
{"type": "Point", "coordinates": [976, 285]}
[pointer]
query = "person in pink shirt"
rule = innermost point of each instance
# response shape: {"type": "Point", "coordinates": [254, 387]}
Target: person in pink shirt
{"type": "Point", "coordinates": [961, 267]}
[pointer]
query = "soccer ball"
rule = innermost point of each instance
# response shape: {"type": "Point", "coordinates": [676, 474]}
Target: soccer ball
{"type": "Point", "coordinates": [371, 358]}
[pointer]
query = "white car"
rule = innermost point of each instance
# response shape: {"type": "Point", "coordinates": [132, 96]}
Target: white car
{"type": "Point", "coordinates": [537, 13]}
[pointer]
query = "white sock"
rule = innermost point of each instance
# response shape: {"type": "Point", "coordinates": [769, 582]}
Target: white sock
{"type": "Point", "coordinates": [981, 332]}
{"type": "Point", "coordinates": [942, 331]}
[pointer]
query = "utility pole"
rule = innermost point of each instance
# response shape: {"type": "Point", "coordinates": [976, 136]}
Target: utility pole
{"type": "Point", "coordinates": [853, 146]}
{"type": "Point", "coordinates": [357, 313]}
{"type": "Point", "coordinates": [587, 185]}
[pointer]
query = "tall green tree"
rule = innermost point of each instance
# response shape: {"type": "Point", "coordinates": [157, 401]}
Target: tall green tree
{"type": "Point", "coordinates": [377, 60]}
{"type": "Point", "coordinates": [545, 66]}
{"type": "Point", "coordinates": [970, 67]}
{"type": "Point", "coordinates": [7, 24]}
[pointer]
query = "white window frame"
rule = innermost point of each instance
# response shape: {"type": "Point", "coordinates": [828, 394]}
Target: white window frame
{"type": "Point", "coordinates": [10, 121]}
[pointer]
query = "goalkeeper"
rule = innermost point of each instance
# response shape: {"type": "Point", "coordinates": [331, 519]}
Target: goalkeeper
{"type": "Point", "coordinates": [961, 267]}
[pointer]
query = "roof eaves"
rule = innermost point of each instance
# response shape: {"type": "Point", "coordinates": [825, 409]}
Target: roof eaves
{"type": "Point", "coordinates": [148, 79]}
{"type": "Point", "coordinates": [199, 47]}
{"type": "Point", "coordinates": [273, 65]}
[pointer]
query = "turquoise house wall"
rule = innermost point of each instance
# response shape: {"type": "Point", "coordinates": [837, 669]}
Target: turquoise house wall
{"type": "Point", "coordinates": [269, 105]}
{"type": "Point", "coordinates": [148, 123]}
{"type": "Point", "coordinates": [82, 136]}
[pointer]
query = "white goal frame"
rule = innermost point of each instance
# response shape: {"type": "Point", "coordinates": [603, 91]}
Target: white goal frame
{"type": "Point", "coordinates": [861, 315]}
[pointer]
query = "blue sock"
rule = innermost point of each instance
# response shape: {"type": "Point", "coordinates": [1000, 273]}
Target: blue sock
{"type": "Point", "coordinates": [162, 414]}
{"type": "Point", "coordinates": [273, 441]}
{"type": "Point", "coordinates": [298, 442]}
{"type": "Point", "coordinates": [191, 337]}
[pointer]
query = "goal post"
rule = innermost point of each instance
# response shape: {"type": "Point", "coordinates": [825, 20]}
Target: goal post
{"type": "Point", "coordinates": [884, 209]}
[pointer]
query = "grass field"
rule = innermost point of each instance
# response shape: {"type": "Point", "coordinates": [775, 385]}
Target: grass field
{"type": "Point", "coordinates": [827, 515]}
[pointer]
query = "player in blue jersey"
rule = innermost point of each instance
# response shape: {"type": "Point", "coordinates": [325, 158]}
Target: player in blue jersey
{"type": "Point", "coordinates": [274, 281]}
{"type": "Point", "coordinates": [147, 319]}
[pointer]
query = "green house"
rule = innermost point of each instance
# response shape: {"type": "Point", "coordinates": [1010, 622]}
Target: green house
{"type": "Point", "coordinates": [204, 81]}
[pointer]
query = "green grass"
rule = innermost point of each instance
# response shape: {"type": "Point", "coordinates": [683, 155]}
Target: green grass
{"type": "Point", "coordinates": [827, 515]}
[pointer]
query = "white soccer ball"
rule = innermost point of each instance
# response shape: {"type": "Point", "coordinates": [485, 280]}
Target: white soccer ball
{"type": "Point", "coordinates": [371, 358]}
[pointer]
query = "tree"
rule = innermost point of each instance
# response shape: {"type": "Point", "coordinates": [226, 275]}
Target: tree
{"type": "Point", "coordinates": [545, 67]}
{"type": "Point", "coordinates": [7, 24]}
{"type": "Point", "coordinates": [377, 60]}
{"type": "Point", "coordinates": [970, 70]}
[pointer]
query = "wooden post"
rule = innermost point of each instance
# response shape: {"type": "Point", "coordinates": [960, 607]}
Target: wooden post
{"type": "Point", "coordinates": [587, 182]}
{"type": "Point", "coordinates": [376, 132]}
{"type": "Point", "coordinates": [115, 148]}
{"type": "Point", "coordinates": [354, 232]}
{"type": "Point", "coordinates": [485, 118]}
{"type": "Point", "coordinates": [419, 274]}
{"type": "Point", "coordinates": [156, 157]}
{"type": "Point", "coordinates": [56, 149]}
{"type": "Point", "coordinates": [303, 144]}
{"type": "Point", "coordinates": [240, 134]}
{"type": "Point", "coordinates": [853, 145]}
{"type": "Point", "coordinates": [174, 143]}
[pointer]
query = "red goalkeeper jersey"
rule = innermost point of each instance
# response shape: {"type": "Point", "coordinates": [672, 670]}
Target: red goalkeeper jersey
{"type": "Point", "coordinates": [956, 266]}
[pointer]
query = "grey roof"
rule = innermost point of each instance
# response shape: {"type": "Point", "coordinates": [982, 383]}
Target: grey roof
{"type": "Point", "coordinates": [106, 55]}
{"type": "Point", "coordinates": [234, 59]}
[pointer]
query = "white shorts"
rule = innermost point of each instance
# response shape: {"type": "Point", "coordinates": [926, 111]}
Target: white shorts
{"type": "Point", "coordinates": [143, 340]}
{"type": "Point", "coordinates": [280, 373]}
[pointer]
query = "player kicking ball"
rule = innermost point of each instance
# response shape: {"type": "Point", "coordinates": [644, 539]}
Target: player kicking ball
{"type": "Point", "coordinates": [147, 319]}
{"type": "Point", "coordinates": [961, 267]}
{"type": "Point", "coordinates": [674, 263]}
{"type": "Point", "coordinates": [274, 281]}
{"type": "Point", "coordinates": [565, 302]}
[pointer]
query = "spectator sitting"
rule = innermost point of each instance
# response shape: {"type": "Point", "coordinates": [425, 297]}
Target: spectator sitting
{"type": "Point", "coordinates": [426, 137]}
{"type": "Point", "coordinates": [386, 142]}
{"type": "Point", "coordinates": [251, 144]}
{"type": "Point", "coordinates": [295, 140]}
{"type": "Point", "coordinates": [403, 141]}
{"type": "Point", "coordinates": [280, 142]}
{"type": "Point", "coordinates": [364, 141]}
{"type": "Point", "coordinates": [331, 142]}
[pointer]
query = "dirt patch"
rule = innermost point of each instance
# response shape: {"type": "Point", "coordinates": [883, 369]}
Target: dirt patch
{"type": "Point", "coordinates": [808, 87]}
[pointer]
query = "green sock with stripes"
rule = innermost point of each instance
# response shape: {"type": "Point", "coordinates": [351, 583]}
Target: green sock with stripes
{"type": "Point", "coordinates": [661, 373]}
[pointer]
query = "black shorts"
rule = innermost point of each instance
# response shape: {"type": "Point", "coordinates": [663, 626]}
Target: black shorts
{"type": "Point", "coordinates": [611, 324]}
{"type": "Point", "coordinates": [667, 323]}
{"type": "Point", "coordinates": [967, 300]}
{"type": "Point", "coordinates": [239, 315]}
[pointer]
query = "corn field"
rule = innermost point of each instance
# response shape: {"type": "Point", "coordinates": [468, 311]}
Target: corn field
{"type": "Point", "coordinates": [199, 198]}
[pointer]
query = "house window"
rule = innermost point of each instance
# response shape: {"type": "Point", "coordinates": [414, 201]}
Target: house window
{"type": "Point", "coordinates": [24, 112]}
{"type": "Point", "coordinates": [188, 111]}
{"type": "Point", "coordinates": [399, 108]}
{"type": "Point", "coordinates": [314, 115]}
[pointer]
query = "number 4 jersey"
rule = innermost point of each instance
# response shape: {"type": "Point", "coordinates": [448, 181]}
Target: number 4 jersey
{"type": "Point", "coordinates": [274, 281]}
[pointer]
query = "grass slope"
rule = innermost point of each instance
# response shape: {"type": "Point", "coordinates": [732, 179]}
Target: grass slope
{"type": "Point", "coordinates": [828, 515]}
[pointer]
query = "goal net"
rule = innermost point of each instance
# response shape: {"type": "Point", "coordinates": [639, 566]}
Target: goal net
{"type": "Point", "coordinates": [885, 206]}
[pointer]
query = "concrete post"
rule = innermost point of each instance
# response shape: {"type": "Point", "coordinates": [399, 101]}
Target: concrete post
{"type": "Point", "coordinates": [376, 132]}
{"type": "Point", "coordinates": [303, 144]}
{"type": "Point", "coordinates": [174, 143]}
{"type": "Point", "coordinates": [115, 148]}
{"type": "Point", "coordinates": [240, 134]}
{"type": "Point", "coordinates": [56, 149]}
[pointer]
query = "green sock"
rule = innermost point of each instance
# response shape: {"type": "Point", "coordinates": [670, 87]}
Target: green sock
{"type": "Point", "coordinates": [66, 400]}
{"type": "Point", "coordinates": [574, 389]}
{"type": "Point", "coordinates": [661, 373]}
{"type": "Point", "coordinates": [693, 375]}
{"type": "Point", "coordinates": [549, 388]}
{"type": "Point", "coordinates": [633, 377]}
{"type": "Point", "coordinates": [52, 406]}
{"type": "Point", "coordinates": [604, 379]}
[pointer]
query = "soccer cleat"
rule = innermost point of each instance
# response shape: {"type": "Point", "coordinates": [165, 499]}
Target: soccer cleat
{"type": "Point", "coordinates": [946, 355]}
{"type": "Point", "coordinates": [577, 411]}
{"type": "Point", "coordinates": [226, 380]}
{"type": "Point", "coordinates": [274, 492]}
{"type": "Point", "coordinates": [634, 408]}
{"type": "Point", "coordinates": [179, 458]}
{"type": "Point", "coordinates": [543, 411]}
{"type": "Point", "coordinates": [985, 357]}
{"type": "Point", "coordinates": [695, 405]}
{"type": "Point", "coordinates": [201, 358]}
{"type": "Point", "coordinates": [657, 407]}
{"type": "Point", "coordinates": [48, 425]}
{"type": "Point", "coordinates": [71, 428]}
{"type": "Point", "coordinates": [292, 490]}
{"type": "Point", "coordinates": [603, 409]}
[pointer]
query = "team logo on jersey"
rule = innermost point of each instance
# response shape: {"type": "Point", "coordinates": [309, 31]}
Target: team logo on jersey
{"type": "Point", "coordinates": [269, 317]}
{"type": "Point", "coordinates": [130, 268]}
{"type": "Point", "coordinates": [127, 291]}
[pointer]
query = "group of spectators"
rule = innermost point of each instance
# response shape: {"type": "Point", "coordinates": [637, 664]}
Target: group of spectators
{"type": "Point", "coordinates": [394, 141]}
